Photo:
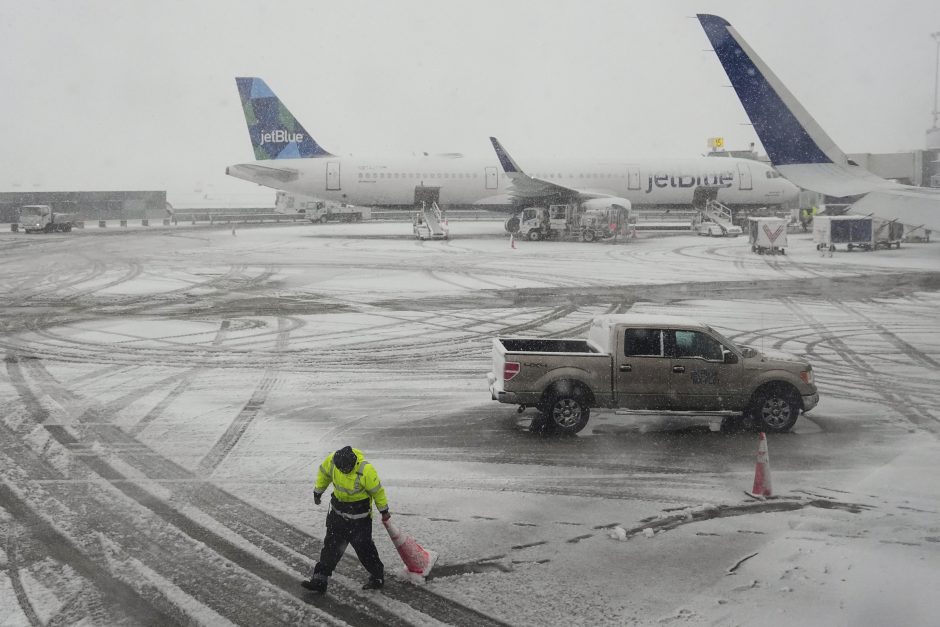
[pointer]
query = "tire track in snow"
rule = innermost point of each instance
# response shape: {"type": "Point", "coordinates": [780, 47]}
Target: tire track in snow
{"type": "Point", "coordinates": [911, 411]}
{"type": "Point", "coordinates": [280, 540]}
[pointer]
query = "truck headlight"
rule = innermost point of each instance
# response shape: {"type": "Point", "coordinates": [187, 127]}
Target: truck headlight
{"type": "Point", "coordinates": [807, 377]}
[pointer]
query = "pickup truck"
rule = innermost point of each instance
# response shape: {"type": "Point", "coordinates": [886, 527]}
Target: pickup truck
{"type": "Point", "coordinates": [649, 363]}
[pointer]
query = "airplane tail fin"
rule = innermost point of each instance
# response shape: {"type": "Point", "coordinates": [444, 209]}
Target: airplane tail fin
{"type": "Point", "coordinates": [796, 144]}
{"type": "Point", "coordinates": [505, 160]}
{"type": "Point", "coordinates": [275, 133]}
{"type": "Point", "coordinates": [788, 132]}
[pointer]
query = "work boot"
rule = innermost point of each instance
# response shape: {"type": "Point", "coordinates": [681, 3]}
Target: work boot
{"type": "Point", "coordinates": [374, 583]}
{"type": "Point", "coordinates": [315, 584]}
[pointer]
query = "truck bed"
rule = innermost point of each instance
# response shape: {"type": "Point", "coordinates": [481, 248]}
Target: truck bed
{"type": "Point", "coordinates": [537, 345]}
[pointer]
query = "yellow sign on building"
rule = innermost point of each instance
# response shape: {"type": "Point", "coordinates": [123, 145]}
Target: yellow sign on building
{"type": "Point", "coordinates": [716, 143]}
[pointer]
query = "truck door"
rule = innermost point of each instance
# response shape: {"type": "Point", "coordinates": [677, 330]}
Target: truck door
{"type": "Point", "coordinates": [642, 370]}
{"type": "Point", "coordinates": [332, 175]}
{"type": "Point", "coordinates": [744, 177]}
{"type": "Point", "coordinates": [699, 378]}
{"type": "Point", "coordinates": [492, 179]}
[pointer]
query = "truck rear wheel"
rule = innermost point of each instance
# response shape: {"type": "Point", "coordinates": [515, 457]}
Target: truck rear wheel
{"type": "Point", "coordinates": [567, 413]}
{"type": "Point", "coordinates": [775, 408]}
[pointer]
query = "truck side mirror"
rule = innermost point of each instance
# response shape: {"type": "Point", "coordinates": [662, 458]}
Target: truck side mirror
{"type": "Point", "coordinates": [728, 357]}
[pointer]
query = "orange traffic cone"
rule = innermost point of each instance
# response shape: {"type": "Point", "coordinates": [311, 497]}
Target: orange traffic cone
{"type": "Point", "coordinates": [512, 240]}
{"type": "Point", "coordinates": [417, 560]}
{"type": "Point", "coordinates": [762, 485]}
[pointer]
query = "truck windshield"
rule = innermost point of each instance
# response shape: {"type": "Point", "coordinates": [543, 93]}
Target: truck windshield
{"type": "Point", "coordinates": [31, 211]}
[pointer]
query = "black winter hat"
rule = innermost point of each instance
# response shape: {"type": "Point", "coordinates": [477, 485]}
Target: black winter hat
{"type": "Point", "coordinates": [344, 459]}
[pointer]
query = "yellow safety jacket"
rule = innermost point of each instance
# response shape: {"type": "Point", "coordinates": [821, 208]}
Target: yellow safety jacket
{"type": "Point", "coordinates": [353, 491]}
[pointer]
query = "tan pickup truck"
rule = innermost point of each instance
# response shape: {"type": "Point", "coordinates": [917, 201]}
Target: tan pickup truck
{"type": "Point", "coordinates": [650, 363]}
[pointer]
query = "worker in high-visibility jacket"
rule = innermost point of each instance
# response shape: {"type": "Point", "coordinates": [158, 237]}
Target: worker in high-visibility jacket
{"type": "Point", "coordinates": [355, 485]}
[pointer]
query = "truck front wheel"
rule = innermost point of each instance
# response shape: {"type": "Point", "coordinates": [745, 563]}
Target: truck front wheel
{"type": "Point", "coordinates": [567, 413]}
{"type": "Point", "coordinates": [775, 408]}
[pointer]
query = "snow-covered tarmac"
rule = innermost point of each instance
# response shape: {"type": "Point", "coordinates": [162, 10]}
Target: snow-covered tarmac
{"type": "Point", "coordinates": [166, 397]}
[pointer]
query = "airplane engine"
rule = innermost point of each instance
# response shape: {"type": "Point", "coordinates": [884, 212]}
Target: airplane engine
{"type": "Point", "coordinates": [512, 224]}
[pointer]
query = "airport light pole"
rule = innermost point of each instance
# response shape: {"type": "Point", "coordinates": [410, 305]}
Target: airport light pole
{"type": "Point", "coordinates": [936, 80]}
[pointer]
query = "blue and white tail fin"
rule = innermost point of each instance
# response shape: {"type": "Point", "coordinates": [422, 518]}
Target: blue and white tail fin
{"type": "Point", "coordinates": [800, 149]}
{"type": "Point", "coordinates": [275, 133]}
{"type": "Point", "coordinates": [789, 134]}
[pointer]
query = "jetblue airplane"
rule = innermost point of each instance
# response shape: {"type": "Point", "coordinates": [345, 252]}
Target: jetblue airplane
{"type": "Point", "coordinates": [800, 149]}
{"type": "Point", "coordinates": [288, 158]}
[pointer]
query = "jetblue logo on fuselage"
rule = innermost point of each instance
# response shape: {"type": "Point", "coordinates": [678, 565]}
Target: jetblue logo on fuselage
{"type": "Point", "coordinates": [724, 179]}
{"type": "Point", "coordinates": [280, 137]}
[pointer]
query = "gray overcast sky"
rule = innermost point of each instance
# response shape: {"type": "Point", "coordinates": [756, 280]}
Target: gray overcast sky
{"type": "Point", "coordinates": [137, 94]}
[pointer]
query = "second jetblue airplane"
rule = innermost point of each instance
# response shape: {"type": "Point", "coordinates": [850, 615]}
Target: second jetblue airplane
{"type": "Point", "coordinates": [800, 149]}
{"type": "Point", "coordinates": [288, 158]}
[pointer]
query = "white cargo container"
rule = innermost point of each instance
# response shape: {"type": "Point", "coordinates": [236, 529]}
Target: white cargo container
{"type": "Point", "coordinates": [767, 235]}
{"type": "Point", "coordinates": [852, 230]}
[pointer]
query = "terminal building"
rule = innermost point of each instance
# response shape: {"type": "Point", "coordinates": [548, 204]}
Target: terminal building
{"type": "Point", "coordinates": [113, 205]}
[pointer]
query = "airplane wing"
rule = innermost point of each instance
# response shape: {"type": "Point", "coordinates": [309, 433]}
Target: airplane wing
{"type": "Point", "coordinates": [799, 148]}
{"type": "Point", "coordinates": [525, 186]}
{"type": "Point", "coordinates": [908, 205]}
{"type": "Point", "coordinates": [269, 175]}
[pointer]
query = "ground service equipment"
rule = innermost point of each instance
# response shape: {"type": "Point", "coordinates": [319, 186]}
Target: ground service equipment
{"type": "Point", "coordinates": [429, 222]}
{"type": "Point", "coordinates": [853, 231]}
{"type": "Point", "coordinates": [715, 220]}
{"type": "Point", "coordinates": [888, 234]}
{"type": "Point", "coordinates": [767, 235]}
{"type": "Point", "coordinates": [569, 221]}
{"type": "Point", "coordinates": [42, 219]}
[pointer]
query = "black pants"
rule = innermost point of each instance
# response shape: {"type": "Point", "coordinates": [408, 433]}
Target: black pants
{"type": "Point", "coordinates": [341, 532]}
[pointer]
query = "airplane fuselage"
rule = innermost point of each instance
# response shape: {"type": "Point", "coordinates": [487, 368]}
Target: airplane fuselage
{"type": "Point", "coordinates": [467, 181]}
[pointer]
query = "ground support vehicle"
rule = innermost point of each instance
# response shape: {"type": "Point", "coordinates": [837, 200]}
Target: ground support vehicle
{"type": "Point", "coordinates": [888, 233]}
{"type": "Point", "coordinates": [649, 363]}
{"type": "Point", "coordinates": [715, 220]}
{"type": "Point", "coordinates": [42, 219]}
{"type": "Point", "coordinates": [570, 221]}
{"type": "Point", "coordinates": [338, 213]}
{"type": "Point", "coordinates": [319, 210]}
{"type": "Point", "coordinates": [853, 231]}
{"type": "Point", "coordinates": [767, 235]}
{"type": "Point", "coordinates": [604, 223]}
{"type": "Point", "coordinates": [429, 222]}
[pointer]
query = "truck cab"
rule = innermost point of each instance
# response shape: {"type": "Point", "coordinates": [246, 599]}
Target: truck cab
{"type": "Point", "coordinates": [537, 223]}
